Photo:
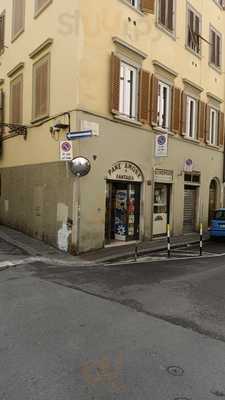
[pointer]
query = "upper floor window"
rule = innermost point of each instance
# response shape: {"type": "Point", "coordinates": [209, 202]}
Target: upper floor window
{"type": "Point", "coordinates": [221, 3]}
{"type": "Point", "coordinates": [194, 31]}
{"type": "Point", "coordinates": [166, 14]}
{"type": "Point", "coordinates": [41, 87]}
{"type": "Point", "coordinates": [128, 90]}
{"type": "Point", "coordinates": [163, 105]}
{"type": "Point", "coordinates": [40, 5]}
{"type": "Point", "coordinates": [16, 100]}
{"type": "Point", "coordinates": [214, 127]}
{"type": "Point", "coordinates": [2, 32]}
{"type": "Point", "coordinates": [135, 3]}
{"type": "Point", "coordinates": [18, 18]}
{"type": "Point", "coordinates": [191, 118]}
{"type": "Point", "coordinates": [215, 47]}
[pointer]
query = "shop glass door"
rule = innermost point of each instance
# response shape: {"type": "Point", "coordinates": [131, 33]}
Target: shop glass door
{"type": "Point", "coordinates": [161, 208]}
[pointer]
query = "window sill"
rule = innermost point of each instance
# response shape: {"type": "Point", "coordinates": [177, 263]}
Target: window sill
{"type": "Point", "coordinates": [171, 34]}
{"type": "Point", "coordinates": [192, 140]}
{"type": "Point", "coordinates": [213, 146]}
{"type": "Point", "coordinates": [132, 7]}
{"type": "Point", "coordinates": [158, 129]}
{"type": "Point", "coordinates": [127, 119]}
{"type": "Point", "coordinates": [217, 69]}
{"type": "Point", "coordinates": [198, 55]}
{"type": "Point", "coordinates": [40, 119]}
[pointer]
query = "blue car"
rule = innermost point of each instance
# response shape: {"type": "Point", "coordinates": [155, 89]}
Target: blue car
{"type": "Point", "coordinates": [217, 228]}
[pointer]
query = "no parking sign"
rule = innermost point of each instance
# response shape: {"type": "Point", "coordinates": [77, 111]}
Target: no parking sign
{"type": "Point", "coordinates": [66, 151]}
{"type": "Point", "coordinates": [161, 145]}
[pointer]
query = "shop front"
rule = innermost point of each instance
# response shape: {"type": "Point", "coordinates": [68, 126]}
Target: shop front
{"type": "Point", "coordinates": [123, 196]}
{"type": "Point", "coordinates": [162, 200]}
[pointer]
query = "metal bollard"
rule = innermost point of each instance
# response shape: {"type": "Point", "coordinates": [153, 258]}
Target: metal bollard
{"type": "Point", "coordinates": [201, 239]}
{"type": "Point", "coordinates": [136, 253]}
{"type": "Point", "coordinates": [168, 241]}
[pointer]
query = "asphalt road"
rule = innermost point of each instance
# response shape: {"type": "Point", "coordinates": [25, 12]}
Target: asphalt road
{"type": "Point", "coordinates": [151, 330]}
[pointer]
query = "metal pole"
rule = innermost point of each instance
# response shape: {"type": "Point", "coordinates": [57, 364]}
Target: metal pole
{"type": "Point", "coordinates": [168, 240]}
{"type": "Point", "coordinates": [136, 252]}
{"type": "Point", "coordinates": [201, 239]}
{"type": "Point", "coordinates": [78, 215]}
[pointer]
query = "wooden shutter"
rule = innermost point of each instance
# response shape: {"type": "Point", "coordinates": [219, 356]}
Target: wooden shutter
{"type": "Point", "coordinates": [207, 124]}
{"type": "Point", "coordinates": [176, 109]}
{"type": "Point", "coordinates": [183, 114]}
{"type": "Point", "coordinates": [2, 32]}
{"type": "Point", "coordinates": [16, 100]}
{"type": "Point", "coordinates": [41, 88]}
{"type": "Point", "coordinates": [170, 15]}
{"type": "Point", "coordinates": [201, 120]}
{"type": "Point", "coordinates": [221, 129]}
{"type": "Point", "coordinates": [18, 17]}
{"type": "Point", "coordinates": [2, 109]}
{"type": "Point", "coordinates": [148, 6]}
{"type": "Point", "coordinates": [144, 96]}
{"type": "Point", "coordinates": [115, 83]}
{"type": "Point", "coordinates": [154, 100]}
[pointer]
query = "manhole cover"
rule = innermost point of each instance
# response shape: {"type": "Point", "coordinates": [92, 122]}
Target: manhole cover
{"type": "Point", "coordinates": [175, 371]}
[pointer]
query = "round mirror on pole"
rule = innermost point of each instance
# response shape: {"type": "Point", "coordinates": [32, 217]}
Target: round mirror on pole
{"type": "Point", "coordinates": [80, 166]}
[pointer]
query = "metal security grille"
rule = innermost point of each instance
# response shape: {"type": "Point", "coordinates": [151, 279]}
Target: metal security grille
{"type": "Point", "coordinates": [189, 209]}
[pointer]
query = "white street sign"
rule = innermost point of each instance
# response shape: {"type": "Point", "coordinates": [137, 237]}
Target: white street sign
{"type": "Point", "coordinates": [66, 150]}
{"type": "Point", "coordinates": [161, 145]}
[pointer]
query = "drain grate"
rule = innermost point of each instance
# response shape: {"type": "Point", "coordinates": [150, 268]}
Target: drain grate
{"type": "Point", "coordinates": [175, 371]}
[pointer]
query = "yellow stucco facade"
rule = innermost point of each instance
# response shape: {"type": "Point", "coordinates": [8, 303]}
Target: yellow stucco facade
{"type": "Point", "coordinates": [39, 194]}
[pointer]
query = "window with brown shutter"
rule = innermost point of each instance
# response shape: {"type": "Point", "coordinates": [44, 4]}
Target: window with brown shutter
{"type": "Point", "coordinates": [207, 125]}
{"type": "Point", "coordinates": [201, 120]}
{"type": "Point", "coordinates": [148, 6]}
{"type": "Point", "coordinates": [40, 5]}
{"type": "Point", "coordinates": [144, 96]}
{"type": "Point", "coordinates": [16, 100]}
{"type": "Point", "coordinates": [2, 32]}
{"type": "Point", "coordinates": [41, 87]}
{"type": "Point", "coordinates": [2, 109]}
{"type": "Point", "coordinates": [115, 83]}
{"type": "Point", "coordinates": [166, 14]}
{"type": "Point", "coordinates": [215, 47]}
{"type": "Point", "coordinates": [176, 110]}
{"type": "Point", "coordinates": [18, 18]}
{"type": "Point", "coordinates": [183, 114]}
{"type": "Point", "coordinates": [221, 129]}
{"type": "Point", "coordinates": [154, 100]}
{"type": "Point", "coordinates": [194, 30]}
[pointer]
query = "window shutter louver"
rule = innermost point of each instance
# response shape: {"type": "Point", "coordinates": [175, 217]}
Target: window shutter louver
{"type": "Point", "coordinates": [148, 6]}
{"type": "Point", "coordinates": [18, 17]}
{"type": "Point", "coordinates": [201, 120]}
{"type": "Point", "coordinates": [2, 32]}
{"type": "Point", "coordinates": [41, 88]}
{"type": "Point", "coordinates": [2, 108]}
{"type": "Point", "coordinates": [221, 129]}
{"type": "Point", "coordinates": [115, 83]}
{"type": "Point", "coordinates": [176, 109]}
{"type": "Point", "coordinates": [207, 125]}
{"type": "Point", "coordinates": [16, 101]}
{"type": "Point", "coordinates": [144, 96]}
{"type": "Point", "coordinates": [184, 114]}
{"type": "Point", "coordinates": [154, 100]}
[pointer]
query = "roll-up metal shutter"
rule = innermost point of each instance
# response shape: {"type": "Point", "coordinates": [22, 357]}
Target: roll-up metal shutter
{"type": "Point", "coordinates": [189, 208]}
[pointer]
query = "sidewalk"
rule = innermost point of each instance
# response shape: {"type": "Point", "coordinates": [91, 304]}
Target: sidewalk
{"type": "Point", "coordinates": [36, 248]}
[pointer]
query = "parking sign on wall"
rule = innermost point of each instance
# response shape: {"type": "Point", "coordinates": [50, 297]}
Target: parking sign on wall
{"type": "Point", "coordinates": [66, 151]}
{"type": "Point", "coordinates": [161, 145]}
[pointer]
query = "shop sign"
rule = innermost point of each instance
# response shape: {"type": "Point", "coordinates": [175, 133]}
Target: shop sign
{"type": "Point", "coordinates": [125, 171]}
{"type": "Point", "coordinates": [188, 165]}
{"type": "Point", "coordinates": [163, 175]}
{"type": "Point", "coordinates": [161, 145]}
{"type": "Point", "coordinates": [66, 150]}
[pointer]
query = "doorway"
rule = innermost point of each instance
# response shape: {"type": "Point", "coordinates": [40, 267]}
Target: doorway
{"type": "Point", "coordinates": [212, 199]}
{"type": "Point", "coordinates": [190, 202]}
{"type": "Point", "coordinates": [122, 211]}
{"type": "Point", "coordinates": [161, 212]}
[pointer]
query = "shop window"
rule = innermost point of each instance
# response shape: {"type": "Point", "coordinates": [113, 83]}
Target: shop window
{"type": "Point", "coordinates": [166, 13]}
{"type": "Point", "coordinates": [128, 91]}
{"type": "Point", "coordinates": [214, 127]}
{"type": "Point", "coordinates": [194, 31]}
{"type": "Point", "coordinates": [163, 105]}
{"type": "Point", "coordinates": [215, 48]}
{"type": "Point", "coordinates": [191, 121]}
